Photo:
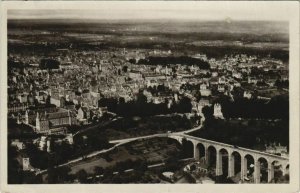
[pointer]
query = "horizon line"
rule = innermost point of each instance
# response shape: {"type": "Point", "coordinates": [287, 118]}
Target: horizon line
{"type": "Point", "coordinates": [226, 20]}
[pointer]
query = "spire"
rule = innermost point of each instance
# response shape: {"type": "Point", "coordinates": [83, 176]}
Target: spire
{"type": "Point", "coordinates": [37, 122]}
{"type": "Point", "coordinates": [26, 117]}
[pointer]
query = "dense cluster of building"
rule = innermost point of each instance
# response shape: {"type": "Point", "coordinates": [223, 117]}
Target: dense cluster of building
{"type": "Point", "coordinates": [51, 99]}
{"type": "Point", "coordinates": [83, 78]}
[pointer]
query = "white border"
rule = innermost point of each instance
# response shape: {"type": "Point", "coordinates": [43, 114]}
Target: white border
{"type": "Point", "coordinates": [290, 10]}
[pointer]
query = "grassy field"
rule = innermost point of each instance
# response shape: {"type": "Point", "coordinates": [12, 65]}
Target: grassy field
{"type": "Point", "coordinates": [156, 150]}
{"type": "Point", "coordinates": [88, 165]}
{"type": "Point", "coordinates": [153, 151]}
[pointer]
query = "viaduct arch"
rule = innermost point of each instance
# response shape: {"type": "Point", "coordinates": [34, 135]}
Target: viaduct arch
{"type": "Point", "coordinates": [246, 161]}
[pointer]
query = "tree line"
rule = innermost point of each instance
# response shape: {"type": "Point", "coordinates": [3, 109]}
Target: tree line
{"type": "Point", "coordinates": [275, 108]}
{"type": "Point", "coordinates": [254, 134]}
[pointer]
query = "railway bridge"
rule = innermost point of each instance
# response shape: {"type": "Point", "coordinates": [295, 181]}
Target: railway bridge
{"type": "Point", "coordinates": [236, 159]}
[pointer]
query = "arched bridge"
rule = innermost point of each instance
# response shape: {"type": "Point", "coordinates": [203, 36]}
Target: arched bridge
{"type": "Point", "coordinates": [206, 149]}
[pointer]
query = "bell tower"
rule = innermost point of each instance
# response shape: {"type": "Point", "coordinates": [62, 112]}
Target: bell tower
{"type": "Point", "coordinates": [218, 111]}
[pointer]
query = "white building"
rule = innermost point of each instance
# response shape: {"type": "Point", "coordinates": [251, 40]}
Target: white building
{"type": "Point", "coordinates": [247, 94]}
{"type": "Point", "coordinates": [218, 111]}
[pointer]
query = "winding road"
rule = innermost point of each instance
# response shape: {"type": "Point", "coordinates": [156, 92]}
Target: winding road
{"type": "Point", "coordinates": [117, 143]}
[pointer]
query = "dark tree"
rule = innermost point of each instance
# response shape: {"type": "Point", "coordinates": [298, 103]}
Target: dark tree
{"type": "Point", "coordinates": [207, 112]}
{"type": "Point", "coordinates": [125, 68]}
{"type": "Point", "coordinates": [49, 64]}
{"type": "Point", "coordinates": [82, 176]}
{"type": "Point", "coordinates": [98, 170]}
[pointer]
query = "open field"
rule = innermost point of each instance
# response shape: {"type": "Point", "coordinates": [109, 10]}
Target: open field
{"type": "Point", "coordinates": [88, 165]}
{"type": "Point", "coordinates": [153, 151]}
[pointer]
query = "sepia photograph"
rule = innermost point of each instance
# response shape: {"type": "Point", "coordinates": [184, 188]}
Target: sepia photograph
{"type": "Point", "coordinates": [167, 93]}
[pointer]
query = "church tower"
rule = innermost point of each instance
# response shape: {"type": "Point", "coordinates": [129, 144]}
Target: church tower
{"type": "Point", "coordinates": [48, 145]}
{"type": "Point", "coordinates": [26, 117]}
{"type": "Point", "coordinates": [37, 122]}
{"type": "Point", "coordinates": [218, 111]}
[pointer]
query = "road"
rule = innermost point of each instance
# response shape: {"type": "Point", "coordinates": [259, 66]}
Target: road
{"type": "Point", "coordinates": [127, 140]}
{"type": "Point", "coordinates": [119, 143]}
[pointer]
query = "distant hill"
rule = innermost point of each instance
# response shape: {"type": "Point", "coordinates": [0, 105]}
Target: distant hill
{"type": "Point", "coordinates": [276, 30]}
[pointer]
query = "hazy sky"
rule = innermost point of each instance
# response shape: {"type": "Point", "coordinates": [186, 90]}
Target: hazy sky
{"type": "Point", "coordinates": [159, 10]}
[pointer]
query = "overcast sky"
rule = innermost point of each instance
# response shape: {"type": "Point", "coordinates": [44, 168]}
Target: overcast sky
{"type": "Point", "coordinates": [158, 10]}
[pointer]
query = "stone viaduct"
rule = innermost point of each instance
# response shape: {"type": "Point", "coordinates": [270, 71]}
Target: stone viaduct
{"type": "Point", "coordinates": [202, 149]}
